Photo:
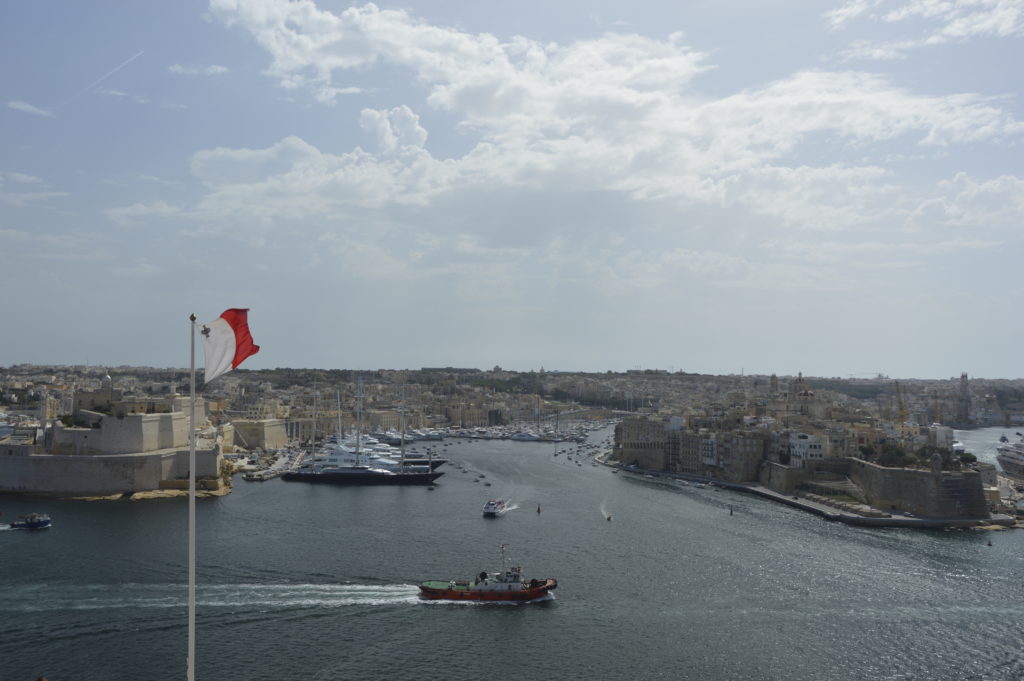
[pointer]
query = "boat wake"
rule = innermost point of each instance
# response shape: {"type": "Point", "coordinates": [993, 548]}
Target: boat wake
{"type": "Point", "coordinates": [604, 510]}
{"type": "Point", "coordinates": [41, 597]}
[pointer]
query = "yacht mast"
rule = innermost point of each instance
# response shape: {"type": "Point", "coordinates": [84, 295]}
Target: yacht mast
{"type": "Point", "coordinates": [340, 431]}
{"type": "Point", "coordinates": [401, 414]}
{"type": "Point", "coordinates": [359, 416]}
{"type": "Point", "coordinates": [312, 441]}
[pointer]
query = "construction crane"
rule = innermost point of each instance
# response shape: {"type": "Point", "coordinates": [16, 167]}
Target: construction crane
{"type": "Point", "coordinates": [901, 410]}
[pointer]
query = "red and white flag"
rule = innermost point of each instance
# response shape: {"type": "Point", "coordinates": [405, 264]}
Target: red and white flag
{"type": "Point", "coordinates": [227, 342]}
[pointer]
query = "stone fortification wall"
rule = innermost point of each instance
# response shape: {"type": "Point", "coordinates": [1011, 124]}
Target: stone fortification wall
{"type": "Point", "coordinates": [988, 473]}
{"type": "Point", "coordinates": [132, 433]}
{"type": "Point", "coordinates": [226, 436]}
{"type": "Point", "coordinates": [266, 434]}
{"type": "Point", "coordinates": [183, 403]}
{"type": "Point", "coordinates": [83, 475]}
{"type": "Point", "coordinates": [927, 493]}
{"type": "Point", "coordinates": [781, 478]}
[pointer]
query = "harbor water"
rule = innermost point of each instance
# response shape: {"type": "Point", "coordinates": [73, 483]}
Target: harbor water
{"type": "Point", "coordinates": [655, 581]}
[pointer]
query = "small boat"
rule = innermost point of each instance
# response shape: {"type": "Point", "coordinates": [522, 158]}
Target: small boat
{"type": "Point", "coordinates": [495, 508]}
{"type": "Point", "coordinates": [507, 585]}
{"type": "Point", "coordinates": [32, 521]}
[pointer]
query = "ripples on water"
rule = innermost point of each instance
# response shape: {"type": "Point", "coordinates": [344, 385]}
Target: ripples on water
{"type": "Point", "coordinates": [300, 582]}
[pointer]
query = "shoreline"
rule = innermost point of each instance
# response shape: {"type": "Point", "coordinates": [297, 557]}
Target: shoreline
{"type": "Point", "coordinates": [142, 495]}
{"type": "Point", "coordinates": [992, 523]}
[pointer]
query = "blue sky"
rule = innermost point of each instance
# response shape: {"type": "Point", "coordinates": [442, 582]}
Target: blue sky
{"type": "Point", "coordinates": [832, 188]}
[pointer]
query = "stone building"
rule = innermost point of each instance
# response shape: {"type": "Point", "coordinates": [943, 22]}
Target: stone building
{"type": "Point", "coordinates": [641, 442]}
{"type": "Point", "coordinates": [129, 446]}
{"type": "Point", "coordinates": [733, 455]}
{"type": "Point", "coordinates": [262, 433]}
{"type": "Point", "coordinates": [802, 447]}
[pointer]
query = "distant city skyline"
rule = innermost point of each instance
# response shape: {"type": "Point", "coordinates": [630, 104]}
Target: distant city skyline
{"type": "Point", "coordinates": [828, 188]}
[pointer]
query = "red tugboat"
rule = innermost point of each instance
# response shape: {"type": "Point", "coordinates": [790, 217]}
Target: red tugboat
{"type": "Point", "coordinates": [507, 585]}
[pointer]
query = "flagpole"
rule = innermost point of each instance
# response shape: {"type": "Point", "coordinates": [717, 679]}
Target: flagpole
{"type": "Point", "coordinates": [191, 672]}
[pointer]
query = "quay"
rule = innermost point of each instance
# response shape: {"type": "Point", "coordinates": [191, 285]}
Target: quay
{"type": "Point", "coordinates": [881, 520]}
{"type": "Point", "coordinates": [284, 461]}
{"type": "Point", "coordinates": [804, 502]}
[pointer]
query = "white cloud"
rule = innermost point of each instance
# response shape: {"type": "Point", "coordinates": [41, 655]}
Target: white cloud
{"type": "Point", "coordinates": [870, 253]}
{"type": "Point", "coordinates": [293, 179]}
{"type": "Point", "coordinates": [139, 268]}
{"type": "Point", "coordinates": [23, 199]}
{"type": "Point", "coordinates": [19, 105]}
{"type": "Point", "coordinates": [128, 216]}
{"type": "Point", "coordinates": [475, 73]}
{"type": "Point", "coordinates": [617, 116]}
{"type": "Point", "coordinates": [394, 129]}
{"type": "Point", "coordinates": [212, 70]}
{"type": "Point", "coordinates": [8, 176]}
{"type": "Point", "coordinates": [849, 11]}
{"type": "Point", "coordinates": [160, 181]}
{"type": "Point", "coordinates": [137, 99]}
{"type": "Point", "coordinates": [14, 181]}
{"type": "Point", "coordinates": [932, 22]}
{"type": "Point", "coordinates": [15, 235]}
{"type": "Point", "coordinates": [626, 94]}
{"type": "Point", "coordinates": [988, 206]}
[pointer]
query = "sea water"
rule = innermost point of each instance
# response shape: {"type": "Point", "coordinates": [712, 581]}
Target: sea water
{"type": "Point", "coordinates": [318, 583]}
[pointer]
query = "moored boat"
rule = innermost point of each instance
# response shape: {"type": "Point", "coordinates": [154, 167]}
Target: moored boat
{"type": "Point", "coordinates": [507, 585]}
{"type": "Point", "coordinates": [32, 521]}
{"type": "Point", "coordinates": [360, 475]}
{"type": "Point", "coordinates": [1011, 458]}
{"type": "Point", "coordinates": [420, 460]}
{"type": "Point", "coordinates": [345, 467]}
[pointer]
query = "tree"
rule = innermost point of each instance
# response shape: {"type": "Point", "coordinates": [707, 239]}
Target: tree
{"type": "Point", "coordinates": [894, 456]}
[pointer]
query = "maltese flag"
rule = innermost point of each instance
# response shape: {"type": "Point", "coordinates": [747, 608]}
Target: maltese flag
{"type": "Point", "coordinates": [227, 342]}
